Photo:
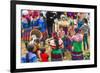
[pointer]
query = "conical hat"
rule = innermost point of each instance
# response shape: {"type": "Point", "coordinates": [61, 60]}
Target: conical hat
{"type": "Point", "coordinates": [37, 33]}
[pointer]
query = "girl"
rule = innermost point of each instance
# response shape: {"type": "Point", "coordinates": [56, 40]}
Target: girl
{"type": "Point", "coordinates": [31, 56]}
{"type": "Point", "coordinates": [57, 46]}
{"type": "Point", "coordinates": [44, 56]}
{"type": "Point", "coordinates": [77, 53]}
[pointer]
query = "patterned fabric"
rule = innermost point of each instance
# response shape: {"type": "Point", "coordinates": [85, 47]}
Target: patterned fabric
{"type": "Point", "coordinates": [77, 37]}
{"type": "Point", "coordinates": [30, 57]}
{"type": "Point", "coordinates": [77, 47]}
{"type": "Point", "coordinates": [56, 55]}
{"type": "Point", "coordinates": [26, 34]}
{"type": "Point", "coordinates": [85, 28]}
{"type": "Point", "coordinates": [77, 56]}
{"type": "Point", "coordinates": [26, 27]}
{"type": "Point", "coordinates": [53, 45]}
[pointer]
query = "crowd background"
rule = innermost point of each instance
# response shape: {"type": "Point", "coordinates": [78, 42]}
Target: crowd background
{"type": "Point", "coordinates": [54, 36]}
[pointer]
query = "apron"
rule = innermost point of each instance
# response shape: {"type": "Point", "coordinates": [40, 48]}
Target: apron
{"type": "Point", "coordinates": [77, 53]}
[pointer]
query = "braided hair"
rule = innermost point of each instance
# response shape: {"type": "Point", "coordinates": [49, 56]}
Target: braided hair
{"type": "Point", "coordinates": [56, 40]}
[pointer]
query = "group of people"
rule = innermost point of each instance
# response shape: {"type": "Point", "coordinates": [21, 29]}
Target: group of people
{"type": "Point", "coordinates": [54, 36]}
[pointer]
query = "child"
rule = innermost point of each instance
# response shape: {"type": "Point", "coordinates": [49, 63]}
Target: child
{"type": "Point", "coordinates": [77, 53]}
{"type": "Point", "coordinates": [31, 56]}
{"type": "Point", "coordinates": [44, 56]}
{"type": "Point", "coordinates": [57, 46]}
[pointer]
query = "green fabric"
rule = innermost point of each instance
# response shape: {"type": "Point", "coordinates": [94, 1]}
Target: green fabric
{"type": "Point", "coordinates": [64, 38]}
{"type": "Point", "coordinates": [57, 51]}
{"type": "Point", "coordinates": [77, 46]}
{"type": "Point", "coordinates": [72, 23]}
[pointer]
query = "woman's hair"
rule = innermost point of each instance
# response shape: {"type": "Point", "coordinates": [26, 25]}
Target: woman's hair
{"type": "Point", "coordinates": [57, 43]}
{"type": "Point", "coordinates": [43, 50]}
{"type": "Point", "coordinates": [41, 14]}
{"type": "Point", "coordinates": [30, 48]}
{"type": "Point", "coordinates": [56, 40]}
{"type": "Point", "coordinates": [85, 20]}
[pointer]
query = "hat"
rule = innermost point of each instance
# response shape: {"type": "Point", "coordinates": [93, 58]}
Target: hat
{"type": "Point", "coordinates": [24, 12]}
{"type": "Point", "coordinates": [63, 16]}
